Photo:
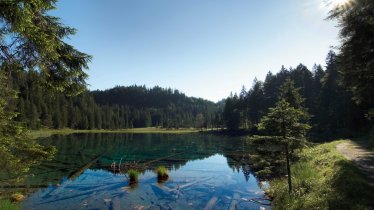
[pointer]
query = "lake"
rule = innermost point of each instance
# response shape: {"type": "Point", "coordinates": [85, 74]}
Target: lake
{"type": "Point", "coordinates": [89, 172]}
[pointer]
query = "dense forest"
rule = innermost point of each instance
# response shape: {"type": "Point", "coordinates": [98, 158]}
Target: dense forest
{"type": "Point", "coordinates": [116, 108]}
{"type": "Point", "coordinates": [333, 111]}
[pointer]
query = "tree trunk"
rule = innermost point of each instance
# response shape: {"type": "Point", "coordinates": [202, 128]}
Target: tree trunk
{"type": "Point", "coordinates": [288, 170]}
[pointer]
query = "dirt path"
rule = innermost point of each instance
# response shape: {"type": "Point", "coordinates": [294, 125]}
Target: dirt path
{"type": "Point", "coordinates": [362, 157]}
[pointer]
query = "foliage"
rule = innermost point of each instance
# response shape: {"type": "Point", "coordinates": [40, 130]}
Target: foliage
{"type": "Point", "coordinates": [323, 179]}
{"type": "Point", "coordinates": [264, 159]}
{"type": "Point", "coordinates": [165, 107]}
{"type": "Point", "coordinates": [8, 205]}
{"type": "Point", "coordinates": [284, 120]}
{"type": "Point", "coordinates": [17, 151]}
{"type": "Point", "coordinates": [231, 114]}
{"type": "Point", "coordinates": [31, 39]}
{"type": "Point", "coordinates": [288, 119]}
{"type": "Point", "coordinates": [356, 56]}
{"type": "Point", "coordinates": [199, 121]}
{"type": "Point", "coordinates": [332, 111]}
{"type": "Point", "coordinates": [116, 108]}
{"type": "Point", "coordinates": [287, 123]}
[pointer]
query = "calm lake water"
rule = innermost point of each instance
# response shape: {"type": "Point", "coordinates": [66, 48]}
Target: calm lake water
{"type": "Point", "coordinates": [205, 171]}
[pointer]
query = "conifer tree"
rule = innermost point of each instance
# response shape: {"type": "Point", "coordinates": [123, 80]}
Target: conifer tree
{"type": "Point", "coordinates": [286, 123]}
{"type": "Point", "coordinates": [17, 151]}
{"type": "Point", "coordinates": [356, 56]}
{"type": "Point", "coordinates": [34, 40]}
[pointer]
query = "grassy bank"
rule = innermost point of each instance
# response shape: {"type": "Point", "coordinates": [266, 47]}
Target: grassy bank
{"type": "Point", "coordinates": [8, 205]}
{"type": "Point", "coordinates": [323, 179]}
{"type": "Point", "coordinates": [48, 132]}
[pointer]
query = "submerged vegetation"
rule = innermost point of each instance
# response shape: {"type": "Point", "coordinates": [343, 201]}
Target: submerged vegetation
{"type": "Point", "coordinates": [323, 179]}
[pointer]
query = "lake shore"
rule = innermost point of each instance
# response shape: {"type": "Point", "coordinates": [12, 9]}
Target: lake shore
{"type": "Point", "coordinates": [42, 133]}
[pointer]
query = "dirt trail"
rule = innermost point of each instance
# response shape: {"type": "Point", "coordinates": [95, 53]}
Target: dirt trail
{"type": "Point", "coordinates": [362, 157]}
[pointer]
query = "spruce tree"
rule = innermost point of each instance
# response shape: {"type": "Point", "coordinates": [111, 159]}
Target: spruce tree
{"type": "Point", "coordinates": [17, 151]}
{"type": "Point", "coordinates": [286, 123]}
{"type": "Point", "coordinates": [356, 56]}
{"type": "Point", "coordinates": [34, 40]}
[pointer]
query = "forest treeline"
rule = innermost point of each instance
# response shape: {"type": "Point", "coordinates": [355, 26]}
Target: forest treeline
{"type": "Point", "coordinates": [333, 112]}
{"type": "Point", "coordinates": [116, 108]}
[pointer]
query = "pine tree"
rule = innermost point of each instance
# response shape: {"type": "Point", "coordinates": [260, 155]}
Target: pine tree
{"type": "Point", "coordinates": [231, 113]}
{"type": "Point", "coordinates": [356, 56]}
{"type": "Point", "coordinates": [32, 40]}
{"type": "Point", "coordinates": [36, 41]}
{"type": "Point", "coordinates": [200, 121]}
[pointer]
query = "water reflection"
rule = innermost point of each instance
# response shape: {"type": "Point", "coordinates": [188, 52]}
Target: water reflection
{"type": "Point", "coordinates": [206, 171]}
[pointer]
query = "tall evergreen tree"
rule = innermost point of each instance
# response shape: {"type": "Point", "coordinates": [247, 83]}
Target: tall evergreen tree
{"type": "Point", "coordinates": [17, 151]}
{"type": "Point", "coordinates": [34, 40]}
{"type": "Point", "coordinates": [286, 123]}
{"type": "Point", "coordinates": [356, 56]}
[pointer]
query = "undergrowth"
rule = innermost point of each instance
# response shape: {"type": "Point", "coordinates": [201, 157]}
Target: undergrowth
{"type": "Point", "coordinates": [323, 179]}
{"type": "Point", "coordinates": [8, 205]}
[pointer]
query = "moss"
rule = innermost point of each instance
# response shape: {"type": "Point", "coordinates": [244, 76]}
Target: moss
{"type": "Point", "coordinates": [323, 179]}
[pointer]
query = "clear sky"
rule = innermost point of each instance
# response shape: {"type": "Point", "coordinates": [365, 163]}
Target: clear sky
{"type": "Point", "coordinates": [204, 48]}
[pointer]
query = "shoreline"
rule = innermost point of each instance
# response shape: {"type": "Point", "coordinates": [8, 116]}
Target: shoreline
{"type": "Point", "coordinates": [42, 133]}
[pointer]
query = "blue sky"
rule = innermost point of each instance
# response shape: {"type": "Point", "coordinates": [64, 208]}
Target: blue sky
{"type": "Point", "coordinates": [204, 48]}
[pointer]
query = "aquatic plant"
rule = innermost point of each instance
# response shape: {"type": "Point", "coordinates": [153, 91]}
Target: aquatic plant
{"type": "Point", "coordinates": [162, 173]}
{"type": "Point", "coordinates": [133, 176]}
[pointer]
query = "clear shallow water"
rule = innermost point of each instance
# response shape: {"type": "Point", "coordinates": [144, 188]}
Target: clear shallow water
{"type": "Point", "coordinates": [205, 172]}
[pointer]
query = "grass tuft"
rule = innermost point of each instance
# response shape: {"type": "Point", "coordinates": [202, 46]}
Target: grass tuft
{"type": "Point", "coordinates": [162, 173]}
{"type": "Point", "coordinates": [133, 176]}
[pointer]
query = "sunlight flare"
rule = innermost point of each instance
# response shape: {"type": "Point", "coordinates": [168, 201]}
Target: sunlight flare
{"type": "Point", "coordinates": [339, 2]}
{"type": "Point", "coordinates": [336, 3]}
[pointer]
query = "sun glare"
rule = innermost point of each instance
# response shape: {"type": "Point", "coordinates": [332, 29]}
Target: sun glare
{"type": "Point", "coordinates": [336, 3]}
{"type": "Point", "coordinates": [331, 4]}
